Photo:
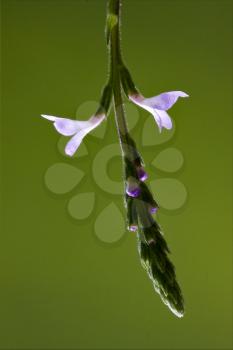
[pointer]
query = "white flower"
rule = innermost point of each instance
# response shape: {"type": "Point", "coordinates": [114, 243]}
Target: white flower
{"type": "Point", "coordinates": [77, 129]}
{"type": "Point", "coordinates": [158, 105]}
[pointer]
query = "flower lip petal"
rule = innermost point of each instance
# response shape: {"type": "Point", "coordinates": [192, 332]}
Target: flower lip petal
{"type": "Point", "coordinates": [165, 100]}
{"type": "Point", "coordinates": [162, 119]}
{"type": "Point", "coordinates": [76, 140]}
{"type": "Point", "coordinates": [68, 127]}
{"type": "Point", "coordinates": [65, 126]}
{"type": "Point", "coordinates": [74, 143]}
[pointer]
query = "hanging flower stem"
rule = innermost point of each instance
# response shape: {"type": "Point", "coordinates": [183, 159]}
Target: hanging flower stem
{"type": "Point", "coordinates": [139, 201]}
{"type": "Point", "coordinates": [115, 59]}
{"type": "Point", "coordinates": [131, 157]}
{"type": "Point", "coordinates": [140, 204]}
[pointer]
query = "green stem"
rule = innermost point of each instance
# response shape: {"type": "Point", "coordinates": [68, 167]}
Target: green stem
{"type": "Point", "coordinates": [115, 57]}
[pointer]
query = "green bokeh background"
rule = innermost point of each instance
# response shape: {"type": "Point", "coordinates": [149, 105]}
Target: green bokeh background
{"type": "Point", "coordinates": [60, 286]}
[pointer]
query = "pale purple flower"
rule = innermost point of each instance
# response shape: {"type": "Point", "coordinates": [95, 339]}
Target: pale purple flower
{"type": "Point", "coordinates": [75, 128]}
{"type": "Point", "coordinates": [158, 105]}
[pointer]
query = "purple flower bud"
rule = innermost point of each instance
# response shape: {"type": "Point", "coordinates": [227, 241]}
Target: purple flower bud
{"type": "Point", "coordinates": [142, 175]}
{"type": "Point", "coordinates": [132, 188]}
{"type": "Point", "coordinates": [153, 210]}
{"type": "Point", "coordinates": [133, 228]}
{"type": "Point", "coordinates": [133, 192]}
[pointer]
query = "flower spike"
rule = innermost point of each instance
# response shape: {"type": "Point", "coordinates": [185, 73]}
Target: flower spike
{"type": "Point", "coordinates": [158, 105]}
{"type": "Point", "coordinates": [139, 201]}
{"type": "Point", "coordinates": [77, 129]}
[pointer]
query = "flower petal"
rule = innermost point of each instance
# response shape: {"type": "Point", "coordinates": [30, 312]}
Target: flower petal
{"type": "Point", "coordinates": [79, 129]}
{"type": "Point", "coordinates": [76, 140]}
{"type": "Point", "coordinates": [165, 100]}
{"type": "Point", "coordinates": [162, 119]}
{"type": "Point", "coordinates": [140, 101]}
{"type": "Point", "coordinates": [74, 143]}
{"type": "Point", "coordinates": [66, 127]}
{"type": "Point", "coordinates": [49, 117]}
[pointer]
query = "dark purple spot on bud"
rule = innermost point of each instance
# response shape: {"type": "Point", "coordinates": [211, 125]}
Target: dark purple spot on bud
{"type": "Point", "coordinates": [142, 175]}
{"type": "Point", "coordinates": [153, 210]}
{"type": "Point", "coordinates": [133, 192]}
{"type": "Point", "coordinates": [133, 228]}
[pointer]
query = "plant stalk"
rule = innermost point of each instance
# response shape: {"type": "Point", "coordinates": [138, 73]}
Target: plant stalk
{"type": "Point", "coordinates": [115, 59]}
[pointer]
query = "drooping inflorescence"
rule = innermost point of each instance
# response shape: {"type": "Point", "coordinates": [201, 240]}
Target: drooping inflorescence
{"type": "Point", "coordinates": [139, 201]}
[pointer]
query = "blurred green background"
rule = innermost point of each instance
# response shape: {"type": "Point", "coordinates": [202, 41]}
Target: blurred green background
{"type": "Point", "coordinates": [60, 286]}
